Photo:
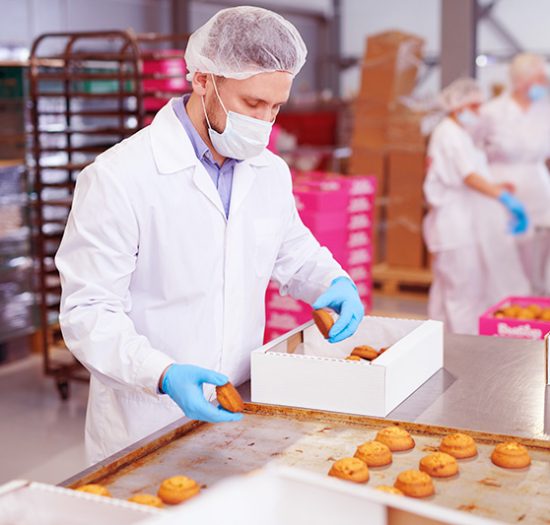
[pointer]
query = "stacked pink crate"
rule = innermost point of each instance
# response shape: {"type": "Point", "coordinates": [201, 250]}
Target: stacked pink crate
{"type": "Point", "coordinates": [338, 210]}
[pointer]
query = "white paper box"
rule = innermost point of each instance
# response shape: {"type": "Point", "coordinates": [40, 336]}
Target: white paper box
{"type": "Point", "coordinates": [30, 503]}
{"type": "Point", "coordinates": [287, 496]}
{"type": "Point", "coordinates": [301, 369]}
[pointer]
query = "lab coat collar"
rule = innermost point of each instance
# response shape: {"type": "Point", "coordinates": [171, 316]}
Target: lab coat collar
{"type": "Point", "coordinates": [172, 149]}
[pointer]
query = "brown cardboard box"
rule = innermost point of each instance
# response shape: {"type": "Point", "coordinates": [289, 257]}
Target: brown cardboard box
{"type": "Point", "coordinates": [390, 66]}
{"type": "Point", "coordinates": [373, 162]}
{"type": "Point", "coordinates": [405, 209]}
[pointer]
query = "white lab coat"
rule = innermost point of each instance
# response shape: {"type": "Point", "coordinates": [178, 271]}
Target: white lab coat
{"type": "Point", "coordinates": [517, 143]}
{"type": "Point", "coordinates": [475, 260]}
{"type": "Point", "coordinates": [152, 273]}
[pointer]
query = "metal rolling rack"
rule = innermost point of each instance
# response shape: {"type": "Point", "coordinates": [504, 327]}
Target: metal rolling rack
{"type": "Point", "coordinates": [91, 92]}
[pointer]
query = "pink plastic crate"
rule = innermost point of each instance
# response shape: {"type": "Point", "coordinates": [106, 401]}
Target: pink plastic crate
{"type": "Point", "coordinates": [175, 67]}
{"type": "Point", "coordinates": [337, 241]}
{"type": "Point", "coordinates": [515, 328]}
{"type": "Point", "coordinates": [335, 221]}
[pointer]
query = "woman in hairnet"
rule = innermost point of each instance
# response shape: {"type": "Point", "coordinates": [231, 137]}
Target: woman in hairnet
{"type": "Point", "coordinates": [471, 220]}
{"type": "Point", "coordinates": [515, 133]}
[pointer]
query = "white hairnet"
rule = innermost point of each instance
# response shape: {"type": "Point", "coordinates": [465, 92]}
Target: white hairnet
{"type": "Point", "coordinates": [240, 42]}
{"type": "Point", "coordinates": [460, 93]}
{"type": "Point", "coordinates": [526, 66]}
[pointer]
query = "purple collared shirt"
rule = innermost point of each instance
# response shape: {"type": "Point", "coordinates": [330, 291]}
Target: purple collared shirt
{"type": "Point", "coordinates": [222, 176]}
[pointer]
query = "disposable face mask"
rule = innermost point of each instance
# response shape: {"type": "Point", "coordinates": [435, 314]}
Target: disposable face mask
{"type": "Point", "coordinates": [468, 118]}
{"type": "Point", "coordinates": [537, 92]}
{"type": "Point", "coordinates": [243, 137]}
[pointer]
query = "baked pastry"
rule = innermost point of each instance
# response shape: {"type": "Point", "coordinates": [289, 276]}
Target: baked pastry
{"type": "Point", "coordinates": [353, 358]}
{"type": "Point", "coordinates": [439, 465]}
{"type": "Point", "coordinates": [94, 488]}
{"type": "Point", "coordinates": [389, 489]}
{"type": "Point", "coordinates": [396, 438]}
{"type": "Point", "coordinates": [229, 398]}
{"type": "Point", "coordinates": [535, 309]}
{"type": "Point", "coordinates": [365, 352]}
{"type": "Point", "coordinates": [545, 315]}
{"type": "Point", "coordinates": [511, 311]}
{"type": "Point", "coordinates": [177, 489]}
{"type": "Point", "coordinates": [458, 445]}
{"type": "Point", "coordinates": [147, 499]}
{"type": "Point", "coordinates": [415, 484]}
{"type": "Point", "coordinates": [526, 314]}
{"type": "Point", "coordinates": [350, 469]}
{"type": "Point", "coordinates": [374, 454]}
{"type": "Point", "coordinates": [499, 314]}
{"type": "Point", "coordinates": [511, 455]}
{"type": "Point", "coordinates": [383, 349]}
{"type": "Point", "coordinates": [323, 320]}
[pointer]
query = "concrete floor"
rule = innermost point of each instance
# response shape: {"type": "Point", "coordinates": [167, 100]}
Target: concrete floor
{"type": "Point", "coordinates": [42, 437]}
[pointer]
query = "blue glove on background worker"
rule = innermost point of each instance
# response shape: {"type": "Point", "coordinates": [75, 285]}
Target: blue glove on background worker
{"type": "Point", "coordinates": [343, 298]}
{"type": "Point", "coordinates": [520, 220]}
{"type": "Point", "coordinates": [183, 383]}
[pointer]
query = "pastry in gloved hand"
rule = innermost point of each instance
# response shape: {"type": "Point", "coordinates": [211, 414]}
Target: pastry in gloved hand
{"type": "Point", "coordinates": [343, 298]}
{"type": "Point", "coordinates": [229, 398]}
{"type": "Point", "coordinates": [183, 383]}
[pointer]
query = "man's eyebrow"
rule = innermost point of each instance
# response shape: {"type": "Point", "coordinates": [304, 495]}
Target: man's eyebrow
{"type": "Point", "coordinates": [256, 99]}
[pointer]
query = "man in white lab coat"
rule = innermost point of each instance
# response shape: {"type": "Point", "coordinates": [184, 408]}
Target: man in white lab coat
{"type": "Point", "coordinates": [175, 233]}
{"type": "Point", "coordinates": [515, 133]}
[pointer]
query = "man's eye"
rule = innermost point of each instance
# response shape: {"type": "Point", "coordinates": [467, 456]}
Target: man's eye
{"type": "Point", "coordinates": [252, 103]}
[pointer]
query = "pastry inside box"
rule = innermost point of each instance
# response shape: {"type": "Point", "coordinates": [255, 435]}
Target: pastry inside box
{"type": "Point", "coordinates": [321, 375]}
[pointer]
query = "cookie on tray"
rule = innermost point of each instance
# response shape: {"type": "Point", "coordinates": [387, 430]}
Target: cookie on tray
{"type": "Point", "coordinates": [389, 489]}
{"type": "Point", "coordinates": [458, 445]}
{"type": "Point", "coordinates": [439, 465]}
{"type": "Point", "coordinates": [147, 499]}
{"type": "Point", "coordinates": [415, 484]}
{"type": "Point", "coordinates": [511, 455]}
{"type": "Point", "coordinates": [396, 438]}
{"type": "Point", "coordinates": [374, 454]}
{"type": "Point", "coordinates": [350, 469]}
{"type": "Point", "coordinates": [94, 488]}
{"type": "Point", "coordinates": [177, 489]}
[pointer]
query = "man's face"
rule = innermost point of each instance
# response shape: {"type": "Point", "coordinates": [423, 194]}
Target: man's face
{"type": "Point", "coordinates": [260, 96]}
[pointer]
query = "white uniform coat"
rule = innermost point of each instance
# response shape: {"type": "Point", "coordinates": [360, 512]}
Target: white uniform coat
{"type": "Point", "coordinates": [153, 273]}
{"type": "Point", "coordinates": [517, 143]}
{"type": "Point", "coordinates": [475, 260]}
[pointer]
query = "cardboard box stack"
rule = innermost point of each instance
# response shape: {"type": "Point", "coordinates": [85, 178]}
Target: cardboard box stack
{"type": "Point", "coordinates": [339, 212]}
{"type": "Point", "coordinates": [387, 141]}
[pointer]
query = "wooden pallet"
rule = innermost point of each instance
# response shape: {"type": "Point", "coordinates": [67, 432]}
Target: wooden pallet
{"type": "Point", "coordinates": [393, 280]}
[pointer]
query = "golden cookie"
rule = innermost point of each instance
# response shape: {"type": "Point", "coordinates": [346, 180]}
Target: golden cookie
{"type": "Point", "coordinates": [535, 309]}
{"type": "Point", "coordinates": [374, 454]}
{"type": "Point", "coordinates": [365, 352]}
{"type": "Point", "coordinates": [396, 438]}
{"type": "Point", "coordinates": [353, 358]}
{"type": "Point", "coordinates": [384, 349]}
{"type": "Point", "coordinates": [350, 469]}
{"type": "Point", "coordinates": [439, 465]}
{"type": "Point", "coordinates": [545, 315]}
{"type": "Point", "coordinates": [415, 484]}
{"type": "Point", "coordinates": [389, 490]}
{"type": "Point", "coordinates": [525, 314]}
{"type": "Point", "coordinates": [323, 320]}
{"type": "Point", "coordinates": [511, 455]}
{"type": "Point", "coordinates": [93, 488]}
{"type": "Point", "coordinates": [458, 445]}
{"type": "Point", "coordinates": [499, 314]}
{"type": "Point", "coordinates": [177, 489]}
{"type": "Point", "coordinates": [511, 311]}
{"type": "Point", "coordinates": [229, 398]}
{"type": "Point", "coordinates": [147, 499]}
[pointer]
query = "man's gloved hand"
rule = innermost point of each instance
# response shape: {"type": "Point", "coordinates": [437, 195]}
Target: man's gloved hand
{"type": "Point", "coordinates": [183, 383]}
{"type": "Point", "coordinates": [342, 297]}
{"type": "Point", "coordinates": [520, 220]}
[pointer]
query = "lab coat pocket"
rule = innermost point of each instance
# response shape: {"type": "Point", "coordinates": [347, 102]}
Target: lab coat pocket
{"type": "Point", "coordinates": [266, 238]}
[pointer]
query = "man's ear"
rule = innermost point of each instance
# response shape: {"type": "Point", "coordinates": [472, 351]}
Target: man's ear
{"type": "Point", "coordinates": [199, 83]}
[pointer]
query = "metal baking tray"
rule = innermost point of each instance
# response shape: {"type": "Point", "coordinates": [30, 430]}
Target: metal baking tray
{"type": "Point", "coordinates": [312, 440]}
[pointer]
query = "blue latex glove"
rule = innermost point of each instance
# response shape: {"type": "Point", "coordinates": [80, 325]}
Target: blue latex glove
{"type": "Point", "coordinates": [183, 383]}
{"type": "Point", "coordinates": [342, 297]}
{"type": "Point", "coordinates": [520, 220]}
